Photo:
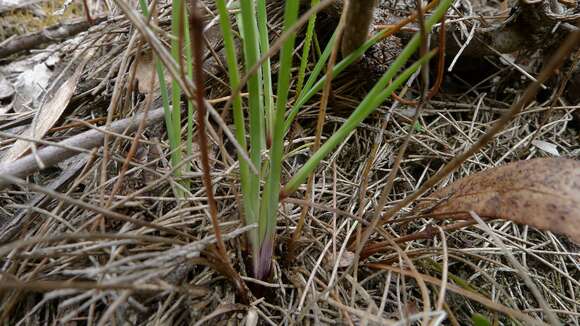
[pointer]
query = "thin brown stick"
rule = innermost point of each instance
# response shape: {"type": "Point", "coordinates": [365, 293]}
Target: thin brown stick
{"type": "Point", "coordinates": [53, 154]}
{"type": "Point", "coordinates": [77, 124]}
{"type": "Point", "coordinates": [196, 37]}
{"type": "Point", "coordinates": [87, 12]}
{"type": "Point", "coordinates": [392, 29]}
{"type": "Point", "coordinates": [429, 233]}
{"type": "Point", "coordinates": [440, 70]}
{"type": "Point", "coordinates": [48, 35]}
{"type": "Point", "coordinates": [423, 48]}
{"type": "Point", "coordinates": [556, 97]}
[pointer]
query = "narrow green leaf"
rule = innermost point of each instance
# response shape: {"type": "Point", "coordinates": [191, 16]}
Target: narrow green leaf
{"type": "Point", "coordinates": [175, 89]}
{"type": "Point", "coordinates": [379, 93]}
{"type": "Point", "coordinates": [375, 97]}
{"type": "Point", "coordinates": [268, 215]}
{"type": "Point", "coordinates": [306, 50]}
{"type": "Point", "coordinates": [250, 212]}
{"type": "Point", "coordinates": [172, 134]}
{"type": "Point", "coordinates": [311, 88]}
{"type": "Point", "coordinates": [251, 49]}
{"type": "Point", "coordinates": [266, 71]}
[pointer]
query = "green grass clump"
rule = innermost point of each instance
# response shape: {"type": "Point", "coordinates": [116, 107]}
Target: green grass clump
{"type": "Point", "coordinates": [264, 120]}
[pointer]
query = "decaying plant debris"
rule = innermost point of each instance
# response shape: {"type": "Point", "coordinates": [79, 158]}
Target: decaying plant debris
{"type": "Point", "coordinates": [149, 258]}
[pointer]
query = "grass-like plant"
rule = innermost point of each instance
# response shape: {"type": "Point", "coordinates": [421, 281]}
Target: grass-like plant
{"type": "Point", "coordinates": [263, 120]}
{"type": "Point", "coordinates": [261, 205]}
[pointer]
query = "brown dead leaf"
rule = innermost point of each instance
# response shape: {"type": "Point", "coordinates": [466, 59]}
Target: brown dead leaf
{"type": "Point", "coordinates": [345, 260]}
{"type": "Point", "coordinates": [50, 112]}
{"type": "Point", "coordinates": [144, 71]}
{"type": "Point", "coordinates": [543, 193]}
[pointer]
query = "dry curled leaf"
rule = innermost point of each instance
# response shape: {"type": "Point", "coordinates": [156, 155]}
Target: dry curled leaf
{"type": "Point", "coordinates": [543, 193]}
{"type": "Point", "coordinates": [546, 147]}
{"type": "Point", "coordinates": [344, 260]}
{"type": "Point", "coordinates": [144, 72]}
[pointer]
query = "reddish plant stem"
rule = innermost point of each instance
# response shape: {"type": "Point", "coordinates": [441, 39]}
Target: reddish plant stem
{"type": "Point", "coordinates": [88, 12]}
{"type": "Point", "coordinates": [195, 30]}
{"type": "Point", "coordinates": [429, 233]}
{"type": "Point", "coordinates": [440, 70]}
{"type": "Point", "coordinates": [221, 255]}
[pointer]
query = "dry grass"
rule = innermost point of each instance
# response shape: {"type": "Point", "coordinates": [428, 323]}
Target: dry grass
{"type": "Point", "coordinates": [66, 264]}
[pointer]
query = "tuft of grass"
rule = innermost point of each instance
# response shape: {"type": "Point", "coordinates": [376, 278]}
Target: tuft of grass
{"type": "Point", "coordinates": [266, 116]}
{"type": "Point", "coordinates": [268, 126]}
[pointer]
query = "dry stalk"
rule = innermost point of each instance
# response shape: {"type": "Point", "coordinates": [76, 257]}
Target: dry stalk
{"type": "Point", "coordinates": [196, 36]}
{"type": "Point", "coordinates": [358, 19]}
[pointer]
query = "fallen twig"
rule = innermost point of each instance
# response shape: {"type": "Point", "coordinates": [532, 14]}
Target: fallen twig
{"type": "Point", "coordinates": [51, 155]}
{"type": "Point", "coordinates": [48, 35]}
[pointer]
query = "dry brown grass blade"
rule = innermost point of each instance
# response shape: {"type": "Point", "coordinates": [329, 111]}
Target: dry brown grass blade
{"type": "Point", "coordinates": [548, 313]}
{"type": "Point", "coordinates": [543, 193]}
{"type": "Point", "coordinates": [46, 286]}
{"type": "Point", "coordinates": [9, 179]}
